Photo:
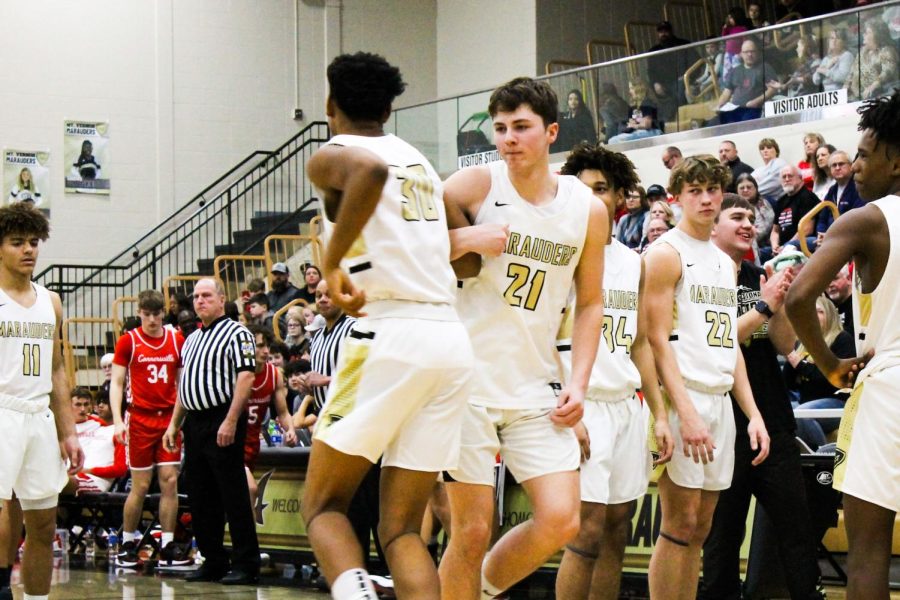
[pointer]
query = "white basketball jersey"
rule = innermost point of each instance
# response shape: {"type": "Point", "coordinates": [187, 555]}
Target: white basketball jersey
{"type": "Point", "coordinates": [514, 308]}
{"type": "Point", "coordinates": [614, 376]}
{"type": "Point", "coordinates": [26, 346]}
{"type": "Point", "coordinates": [704, 329]}
{"type": "Point", "coordinates": [877, 315]}
{"type": "Point", "coordinates": [403, 252]}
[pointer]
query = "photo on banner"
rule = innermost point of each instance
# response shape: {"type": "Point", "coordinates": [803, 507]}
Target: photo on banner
{"type": "Point", "coordinates": [26, 177]}
{"type": "Point", "coordinates": [86, 157]}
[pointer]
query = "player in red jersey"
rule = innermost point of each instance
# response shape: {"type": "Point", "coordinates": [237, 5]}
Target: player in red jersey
{"type": "Point", "coordinates": [268, 386]}
{"type": "Point", "coordinates": [150, 355]}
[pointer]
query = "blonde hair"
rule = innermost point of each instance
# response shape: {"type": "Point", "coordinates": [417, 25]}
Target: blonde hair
{"type": "Point", "coordinates": [832, 327]}
{"type": "Point", "coordinates": [670, 214]}
{"type": "Point", "coordinates": [26, 186]}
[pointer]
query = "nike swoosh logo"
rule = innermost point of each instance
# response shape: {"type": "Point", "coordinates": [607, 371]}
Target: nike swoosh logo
{"type": "Point", "coordinates": [690, 264]}
{"type": "Point", "coordinates": [501, 203]}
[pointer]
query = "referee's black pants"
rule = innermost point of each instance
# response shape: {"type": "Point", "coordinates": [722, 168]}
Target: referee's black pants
{"type": "Point", "coordinates": [779, 487]}
{"type": "Point", "coordinates": [217, 487]}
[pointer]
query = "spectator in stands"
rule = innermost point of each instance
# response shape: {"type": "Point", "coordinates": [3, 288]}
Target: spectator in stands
{"type": "Point", "coordinates": [295, 375]}
{"type": "Point", "coordinates": [764, 213]}
{"type": "Point", "coordinates": [260, 311]}
{"type": "Point", "coordinates": [312, 276]}
{"type": "Point", "coordinates": [812, 387]}
{"type": "Point", "coordinates": [104, 457]}
{"type": "Point", "coordinates": [790, 208]}
{"type": "Point", "coordinates": [576, 124]}
{"type": "Point", "coordinates": [834, 70]}
{"type": "Point", "coordinates": [177, 303]}
{"type": "Point", "coordinates": [660, 209]}
{"type": "Point", "coordinates": [671, 156]}
{"type": "Point", "coordinates": [657, 192]}
{"type": "Point", "coordinates": [233, 312]}
{"type": "Point", "coordinates": [106, 365]}
{"type": "Point", "coordinates": [630, 230]}
{"type": "Point", "coordinates": [665, 70]}
{"type": "Point", "coordinates": [295, 340]}
{"type": "Point", "coordinates": [728, 156]}
{"type": "Point", "coordinates": [756, 15]}
{"type": "Point", "coordinates": [735, 22]}
{"type": "Point", "coordinates": [187, 322]}
{"type": "Point", "coordinates": [875, 73]}
{"type": "Point", "coordinates": [656, 227]}
{"type": "Point", "coordinates": [811, 144]}
{"type": "Point", "coordinates": [843, 193]}
{"type": "Point", "coordinates": [745, 87]}
{"type": "Point", "coordinates": [800, 83]}
{"type": "Point", "coordinates": [278, 353]}
{"type": "Point", "coordinates": [283, 291]}
{"type": "Point", "coordinates": [640, 94]}
{"type": "Point", "coordinates": [613, 109]}
{"type": "Point", "coordinates": [643, 124]}
{"type": "Point", "coordinates": [768, 176]}
{"type": "Point", "coordinates": [840, 292]}
{"type": "Point", "coordinates": [714, 69]}
{"type": "Point", "coordinates": [822, 179]}
{"type": "Point", "coordinates": [102, 409]}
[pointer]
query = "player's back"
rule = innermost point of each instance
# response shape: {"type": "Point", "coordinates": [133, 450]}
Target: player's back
{"type": "Point", "coordinates": [514, 308]}
{"type": "Point", "coordinates": [704, 328]}
{"type": "Point", "coordinates": [877, 314]}
{"type": "Point", "coordinates": [26, 354]}
{"type": "Point", "coordinates": [403, 252]}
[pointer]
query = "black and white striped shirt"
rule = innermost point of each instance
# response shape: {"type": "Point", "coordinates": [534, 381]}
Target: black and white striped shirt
{"type": "Point", "coordinates": [324, 350]}
{"type": "Point", "coordinates": [211, 359]}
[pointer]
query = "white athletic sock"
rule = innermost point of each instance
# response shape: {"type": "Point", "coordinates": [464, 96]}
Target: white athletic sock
{"type": "Point", "coordinates": [127, 536]}
{"type": "Point", "coordinates": [488, 589]}
{"type": "Point", "coordinates": [35, 597]}
{"type": "Point", "coordinates": [353, 585]}
{"type": "Point", "coordinates": [166, 537]}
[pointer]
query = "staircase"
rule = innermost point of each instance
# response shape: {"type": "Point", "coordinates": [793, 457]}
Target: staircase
{"type": "Point", "coordinates": [265, 193]}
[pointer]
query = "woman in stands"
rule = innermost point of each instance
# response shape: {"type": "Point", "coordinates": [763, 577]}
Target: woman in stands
{"type": "Point", "coordinates": [811, 144]}
{"type": "Point", "coordinates": [630, 230]}
{"type": "Point", "coordinates": [735, 22]}
{"type": "Point", "coordinates": [834, 70]}
{"type": "Point", "coordinates": [876, 71]}
{"type": "Point", "coordinates": [822, 172]}
{"type": "Point", "coordinates": [748, 189]}
{"type": "Point", "coordinates": [804, 378]}
{"type": "Point", "coordinates": [800, 83]}
{"type": "Point", "coordinates": [768, 176]}
{"type": "Point", "coordinates": [576, 123]}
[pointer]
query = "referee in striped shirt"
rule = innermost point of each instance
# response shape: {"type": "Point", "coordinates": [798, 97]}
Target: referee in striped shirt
{"type": "Point", "coordinates": [218, 363]}
{"type": "Point", "coordinates": [326, 344]}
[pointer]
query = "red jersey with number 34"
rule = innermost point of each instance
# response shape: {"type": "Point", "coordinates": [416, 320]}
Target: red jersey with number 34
{"type": "Point", "coordinates": [152, 365]}
{"type": "Point", "coordinates": [258, 403]}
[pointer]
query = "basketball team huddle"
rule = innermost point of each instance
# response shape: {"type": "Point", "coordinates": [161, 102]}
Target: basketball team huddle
{"type": "Point", "coordinates": [530, 332]}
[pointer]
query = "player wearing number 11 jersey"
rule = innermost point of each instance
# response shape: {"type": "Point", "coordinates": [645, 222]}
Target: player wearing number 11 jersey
{"type": "Point", "coordinates": [150, 357]}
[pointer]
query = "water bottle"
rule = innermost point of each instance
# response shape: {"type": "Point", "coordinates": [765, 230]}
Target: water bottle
{"type": "Point", "coordinates": [275, 433]}
{"type": "Point", "coordinates": [113, 541]}
{"type": "Point", "coordinates": [89, 543]}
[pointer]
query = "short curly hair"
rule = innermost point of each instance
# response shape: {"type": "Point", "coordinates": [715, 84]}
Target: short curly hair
{"type": "Point", "coordinates": [23, 219]}
{"type": "Point", "coordinates": [616, 167]}
{"type": "Point", "coordinates": [882, 117]}
{"type": "Point", "coordinates": [364, 85]}
{"type": "Point", "coordinates": [701, 168]}
{"type": "Point", "coordinates": [525, 90]}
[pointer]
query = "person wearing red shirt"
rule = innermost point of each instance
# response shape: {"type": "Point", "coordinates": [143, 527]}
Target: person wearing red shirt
{"type": "Point", "coordinates": [150, 356]}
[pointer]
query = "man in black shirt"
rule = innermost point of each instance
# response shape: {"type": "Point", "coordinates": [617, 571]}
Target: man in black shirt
{"type": "Point", "coordinates": [777, 483]}
{"type": "Point", "coordinates": [283, 291]}
{"type": "Point", "coordinates": [790, 208]}
{"type": "Point", "coordinates": [728, 156]}
{"type": "Point", "coordinates": [665, 71]}
{"type": "Point", "coordinates": [840, 292]}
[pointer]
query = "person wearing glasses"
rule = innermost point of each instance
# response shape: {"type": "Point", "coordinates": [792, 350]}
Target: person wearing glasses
{"type": "Point", "coordinates": [746, 89]}
{"type": "Point", "coordinates": [843, 193]}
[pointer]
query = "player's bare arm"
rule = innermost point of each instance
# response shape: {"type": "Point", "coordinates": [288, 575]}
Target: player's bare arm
{"type": "Point", "coordinates": [464, 192]}
{"type": "Point", "coordinates": [743, 395]}
{"type": "Point", "coordinates": [844, 243]}
{"type": "Point", "coordinates": [663, 271]}
{"type": "Point", "coordinates": [60, 398]}
{"type": "Point", "coordinates": [281, 409]}
{"type": "Point", "coordinates": [642, 357]}
{"type": "Point", "coordinates": [116, 393]}
{"type": "Point", "coordinates": [588, 320]}
{"type": "Point", "coordinates": [242, 388]}
{"type": "Point", "coordinates": [351, 180]}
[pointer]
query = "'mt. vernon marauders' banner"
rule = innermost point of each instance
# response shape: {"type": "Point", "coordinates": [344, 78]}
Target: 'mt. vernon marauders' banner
{"type": "Point", "coordinates": [86, 156]}
{"type": "Point", "coordinates": [26, 177]}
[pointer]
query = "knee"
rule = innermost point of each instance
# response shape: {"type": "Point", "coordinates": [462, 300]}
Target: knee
{"type": "Point", "coordinates": [471, 536]}
{"type": "Point", "coordinates": [312, 504]}
{"type": "Point", "coordinates": [168, 484]}
{"type": "Point", "coordinates": [590, 533]}
{"type": "Point", "coordinates": [140, 488]}
{"type": "Point", "coordinates": [559, 524]}
{"type": "Point", "coordinates": [683, 526]}
{"type": "Point", "coordinates": [42, 530]}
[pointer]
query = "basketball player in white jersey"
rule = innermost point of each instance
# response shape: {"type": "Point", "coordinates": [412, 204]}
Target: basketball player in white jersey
{"type": "Point", "coordinates": [691, 293]}
{"type": "Point", "coordinates": [403, 374]}
{"type": "Point", "coordinates": [529, 234]}
{"type": "Point", "coordinates": [36, 420]}
{"type": "Point", "coordinates": [616, 461]}
{"type": "Point", "coordinates": [867, 462]}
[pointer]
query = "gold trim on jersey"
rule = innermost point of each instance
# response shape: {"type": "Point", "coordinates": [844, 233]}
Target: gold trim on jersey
{"type": "Point", "coordinates": [845, 435]}
{"type": "Point", "coordinates": [353, 357]}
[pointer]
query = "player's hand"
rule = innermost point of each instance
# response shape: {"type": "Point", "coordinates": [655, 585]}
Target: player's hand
{"type": "Point", "coordinates": [225, 435]}
{"type": "Point", "coordinates": [759, 439]}
{"type": "Point", "coordinates": [491, 239]}
{"type": "Point", "coordinates": [843, 376]}
{"type": "Point", "coordinates": [569, 408]}
{"type": "Point", "coordinates": [698, 442]}
{"type": "Point", "coordinates": [584, 440]}
{"type": "Point", "coordinates": [170, 439]}
{"type": "Point", "coordinates": [665, 443]}
{"type": "Point", "coordinates": [290, 438]}
{"type": "Point", "coordinates": [73, 453]}
{"type": "Point", "coordinates": [774, 287]}
{"type": "Point", "coordinates": [344, 294]}
{"type": "Point", "coordinates": [120, 432]}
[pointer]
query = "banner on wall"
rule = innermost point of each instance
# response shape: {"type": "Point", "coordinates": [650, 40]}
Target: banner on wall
{"type": "Point", "coordinates": [26, 177]}
{"type": "Point", "coordinates": [86, 156]}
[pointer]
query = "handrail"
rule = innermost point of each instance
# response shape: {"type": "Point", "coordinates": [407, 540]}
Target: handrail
{"type": "Point", "coordinates": [810, 216]}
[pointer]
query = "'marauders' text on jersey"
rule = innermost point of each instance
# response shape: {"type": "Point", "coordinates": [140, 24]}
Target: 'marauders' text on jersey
{"type": "Point", "coordinates": [514, 308]}
{"type": "Point", "coordinates": [614, 376]}
{"type": "Point", "coordinates": [704, 328]}
{"type": "Point", "coordinates": [877, 314]}
{"type": "Point", "coordinates": [152, 365]}
{"type": "Point", "coordinates": [26, 346]}
{"type": "Point", "coordinates": [403, 252]}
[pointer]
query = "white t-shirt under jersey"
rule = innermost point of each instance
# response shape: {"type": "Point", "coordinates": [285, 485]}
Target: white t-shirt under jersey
{"type": "Point", "coordinates": [704, 329]}
{"type": "Point", "coordinates": [514, 308]}
{"type": "Point", "coordinates": [26, 347]}
{"type": "Point", "coordinates": [614, 376]}
{"type": "Point", "coordinates": [403, 252]}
